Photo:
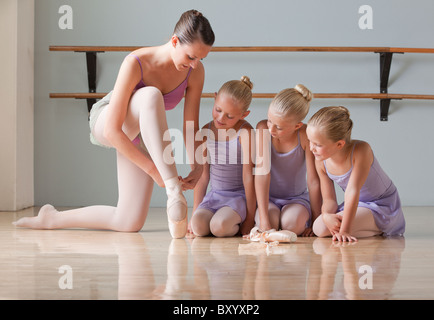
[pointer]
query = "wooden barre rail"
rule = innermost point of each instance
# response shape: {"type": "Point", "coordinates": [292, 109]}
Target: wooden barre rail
{"type": "Point", "coordinates": [99, 95]}
{"type": "Point", "coordinates": [385, 53]}
{"type": "Point", "coordinates": [253, 49]}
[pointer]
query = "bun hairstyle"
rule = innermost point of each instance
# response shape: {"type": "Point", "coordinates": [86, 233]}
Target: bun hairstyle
{"type": "Point", "coordinates": [305, 92]}
{"type": "Point", "coordinates": [247, 82]}
{"type": "Point", "coordinates": [292, 102]}
{"type": "Point", "coordinates": [334, 122]}
{"type": "Point", "coordinates": [193, 26]}
{"type": "Point", "coordinates": [240, 90]}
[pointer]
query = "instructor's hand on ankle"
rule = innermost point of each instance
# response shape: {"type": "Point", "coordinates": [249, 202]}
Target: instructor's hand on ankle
{"type": "Point", "coordinates": [191, 180]}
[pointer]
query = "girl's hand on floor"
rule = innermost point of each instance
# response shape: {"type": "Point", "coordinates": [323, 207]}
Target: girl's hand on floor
{"type": "Point", "coordinates": [343, 237]}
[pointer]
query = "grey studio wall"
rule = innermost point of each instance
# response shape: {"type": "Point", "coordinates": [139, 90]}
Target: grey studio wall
{"type": "Point", "coordinates": [70, 171]}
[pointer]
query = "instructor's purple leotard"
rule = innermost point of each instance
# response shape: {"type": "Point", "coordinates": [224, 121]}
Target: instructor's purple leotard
{"type": "Point", "coordinates": [225, 177]}
{"type": "Point", "coordinates": [172, 98]}
{"type": "Point", "coordinates": [288, 177]}
{"type": "Point", "coordinates": [378, 194]}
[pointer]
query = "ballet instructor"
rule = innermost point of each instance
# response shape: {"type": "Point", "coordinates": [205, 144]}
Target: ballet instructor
{"type": "Point", "coordinates": [132, 120]}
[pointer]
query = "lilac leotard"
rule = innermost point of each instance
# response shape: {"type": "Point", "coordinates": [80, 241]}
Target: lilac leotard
{"type": "Point", "coordinates": [288, 177]}
{"type": "Point", "coordinates": [172, 98]}
{"type": "Point", "coordinates": [225, 176]}
{"type": "Point", "coordinates": [378, 194]}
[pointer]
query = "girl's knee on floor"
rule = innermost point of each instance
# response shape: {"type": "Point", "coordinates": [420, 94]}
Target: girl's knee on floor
{"type": "Point", "coordinates": [225, 223]}
{"type": "Point", "coordinates": [200, 222]}
{"type": "Point", "coordinates": [294, 218]}
{"type": "Point", "coordinates": [320, 229]}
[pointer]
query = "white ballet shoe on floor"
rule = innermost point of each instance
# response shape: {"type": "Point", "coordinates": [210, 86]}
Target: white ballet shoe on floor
{"type": "Point", "coordinates": [177, 206]}
{"type": "Point", "coordinates": [272, 235]}
{"type": "Point", "coordinates": [281, 236]}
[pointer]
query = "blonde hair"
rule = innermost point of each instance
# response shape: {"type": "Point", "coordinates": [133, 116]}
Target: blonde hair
{"type": "Point", "coordinates": [334, 122]}
{"type": "Point", "coordinates": [239, 90]}
{"type": "Point", "coordinates": [292, 102]}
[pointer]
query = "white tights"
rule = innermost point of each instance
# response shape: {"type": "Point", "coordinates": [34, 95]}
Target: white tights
{"type": "Point", "coordinates": [292, 217]}
{"type": "Point", "coordinates": [146, 115]}
{"type": "Point", "coordinates": [363, 225]}
{"type": "Point", "coordinates": [225, 222]}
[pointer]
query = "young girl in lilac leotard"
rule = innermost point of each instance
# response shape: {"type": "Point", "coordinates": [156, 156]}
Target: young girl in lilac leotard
{"type": "Point", "coordinates": [286, 183]}
{"type": "Point", "coordinates": [371, 202]}
{"type": "Point", "coordinates": [230, 201]}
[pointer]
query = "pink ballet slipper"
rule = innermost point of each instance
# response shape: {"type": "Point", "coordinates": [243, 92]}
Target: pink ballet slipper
{"type": "Point", "coordinates": [177, 206]}
{"type": "Point", "coordinates": [177, 229]}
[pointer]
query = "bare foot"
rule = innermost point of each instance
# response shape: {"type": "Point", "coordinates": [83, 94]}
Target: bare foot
{"type": "Point", "coordinates": [44, 219]}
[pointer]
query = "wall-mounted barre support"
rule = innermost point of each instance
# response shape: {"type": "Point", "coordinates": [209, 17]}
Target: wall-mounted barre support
{"type": "Point", "coordinates": [91, 76]}
{"type": "Point", "coordinates": [385, 65]}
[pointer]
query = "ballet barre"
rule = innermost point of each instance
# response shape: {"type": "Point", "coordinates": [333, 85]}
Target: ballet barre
{"type": "Point", "coordinates": [385, 56]}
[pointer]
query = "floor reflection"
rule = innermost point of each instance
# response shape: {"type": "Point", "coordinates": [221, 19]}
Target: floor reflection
{"type": "Point", "coordinates": [367, 269]}
{"type": "Point", "coordinates": [149, 265]}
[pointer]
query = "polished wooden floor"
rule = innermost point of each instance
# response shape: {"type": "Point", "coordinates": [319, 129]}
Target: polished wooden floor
{"type": "Point", "coordinates": [99, 265]}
